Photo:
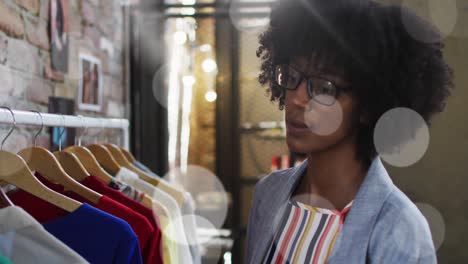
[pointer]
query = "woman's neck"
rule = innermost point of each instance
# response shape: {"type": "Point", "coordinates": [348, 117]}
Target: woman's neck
{"type": "Point", "coordinates": [333, 177]}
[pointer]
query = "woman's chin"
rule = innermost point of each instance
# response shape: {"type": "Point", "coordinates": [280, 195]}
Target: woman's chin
{"type": "Point", "coordinates": [305, 145]}
{"type": "Point", "coordinates": [297, 146]}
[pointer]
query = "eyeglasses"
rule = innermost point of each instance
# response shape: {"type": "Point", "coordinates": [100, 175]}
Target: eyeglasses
{"type": "Point", "coordinates": [321, 90]}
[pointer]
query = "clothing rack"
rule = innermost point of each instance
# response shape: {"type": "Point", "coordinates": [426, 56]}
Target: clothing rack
{"type": "Point", "coordinates": [58, 120]}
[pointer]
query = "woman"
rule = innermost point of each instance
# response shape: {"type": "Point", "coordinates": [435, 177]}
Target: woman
{"type": "Point", "coordinates": [336, 67]}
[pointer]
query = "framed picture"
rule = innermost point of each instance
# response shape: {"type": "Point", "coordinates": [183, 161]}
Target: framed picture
{"type": "Point", "coordinates": [66, 136]}
{"type": "Point", "coordinates": [90, 85]}
{"type": "Point", "coordinates": [59, 29]}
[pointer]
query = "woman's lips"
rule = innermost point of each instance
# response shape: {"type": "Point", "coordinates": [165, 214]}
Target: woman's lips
{"type": "Point", "coordinates": [295, 128]}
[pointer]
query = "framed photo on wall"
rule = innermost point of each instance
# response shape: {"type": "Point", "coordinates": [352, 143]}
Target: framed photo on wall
{"type": "Point", "coordinates": [90, 84]}
{"type": "Point", "coordinates": [59, 28]}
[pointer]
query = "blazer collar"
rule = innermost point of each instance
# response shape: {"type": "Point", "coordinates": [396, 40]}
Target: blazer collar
{"type": "Point", "coordinates": [366, 206]}
{"type": "Point", "coordinates": [271, 215]}
{"type": "Point", "coordinates": [353, 240]}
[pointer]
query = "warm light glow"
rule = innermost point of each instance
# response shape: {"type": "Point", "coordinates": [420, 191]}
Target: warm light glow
{"type": "Point", "coordinates": [205, 48]}
{"type": "Point", "coordinates": [211, 96]}
{"type": "Point", "coordinates": [188, 2]}
{"type": "Point", "coordinates": [174, 94]}
{"type": "Point", "coordinates": [180, 37]}
{"type": "Point", "coordinates": [188, 80]}
{"type": "Point", "coordinates": [209, 65]}
{"type": "Point", "coordinates": [188, 11]}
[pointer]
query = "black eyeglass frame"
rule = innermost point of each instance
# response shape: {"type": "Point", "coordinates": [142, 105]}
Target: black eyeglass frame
{"type": "Point", "coordinates": [338, 90]}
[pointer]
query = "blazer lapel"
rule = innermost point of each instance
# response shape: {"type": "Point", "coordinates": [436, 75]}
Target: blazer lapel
{"type": "Point", "coordinates": [352, 242]}
{"type": "Point", "coordinates": [272, 214]}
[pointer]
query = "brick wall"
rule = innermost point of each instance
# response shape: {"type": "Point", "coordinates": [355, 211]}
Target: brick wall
{"type": "Point", "coordinates": [26, 76]}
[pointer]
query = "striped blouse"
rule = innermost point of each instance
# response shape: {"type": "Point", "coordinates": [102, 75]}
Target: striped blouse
{"type": "Point", "coordinates": [306, 234]}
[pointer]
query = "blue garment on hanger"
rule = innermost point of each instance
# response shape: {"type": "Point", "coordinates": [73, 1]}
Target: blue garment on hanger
{"type": "Point", "coordinates": [97, 236]}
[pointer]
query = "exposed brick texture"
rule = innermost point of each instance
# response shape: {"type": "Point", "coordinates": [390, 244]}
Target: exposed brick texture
{"type": "Point", "coordinates": [44, 9]}
{"type": "Point", "coordinates": [31, 5]}
{"type": "Point", "coordinates": [27, 75]}
{"type": "Point", "coordinates": [88, 12]}
{"type": "Point", "coordinates": [10, 21]}
{"type": "Point", "coordinates": [23, 56]}
{"type": "Point", "coordinates": [36, 33]}
{"type": "Point", "coordinates": [3, 49]}
{"type": "Point", "coordinates": [5, 80]}
{"type": "Point", "coordinates": [38, 91]}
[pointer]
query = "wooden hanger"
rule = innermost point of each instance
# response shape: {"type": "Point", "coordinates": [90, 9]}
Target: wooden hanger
{"type": "Point", "coordinates": [43, 161]}
{"type": "Point", "coordinates": [117, 155]}
{"type": "Point", "coordinates": [128, 155]}
{"type": "Point", "coordinates": [147, 202]}
{"type": "Point", "coordinates": [4, 200]}
{"type": "Point", "coordinates": [72, 165]}
{"type": "Point", "coordinates": [87, 159]}
{"type": "Point", "coordinates": [172, 191]}
{"type": "Point", "coordinates": [14, 170]}
{"type": "Point", "coordinates": [70, 161]}
{"type": "Point", "coordinates": [90, 163]}
{"type": "Point", "coordinates": [105, 158]}
{"type": "Point", "coordinates": [176, 194]}
{"type": "Point", "coordinates": [153, 204]}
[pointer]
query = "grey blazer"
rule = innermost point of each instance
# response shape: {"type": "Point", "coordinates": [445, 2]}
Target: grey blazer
{"type": "Point", "coordinates": [382, 227]}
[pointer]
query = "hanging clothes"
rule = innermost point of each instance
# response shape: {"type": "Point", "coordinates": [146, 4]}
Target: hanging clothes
{"type": "Point", "coordinates": [127, 190]}
{"type": "Point", "coordinates": [43, 210]}
{"type": "Point", "coordinates": [188, 210]}
{"type": "Point", "coordinates": [149, 239]}
{"type": "Point", "coordinates": [129, 177]}
{"type": "Point", "coordinates": [170, 251]}
{"type": "Point", "coordinates": [92, 233]}
{"type": "Point", "coordinates": [24, 240]}
{"type": "Point", "coordinates": [153, 252]}
{"type": "Point", "coordinates": [111, 239]}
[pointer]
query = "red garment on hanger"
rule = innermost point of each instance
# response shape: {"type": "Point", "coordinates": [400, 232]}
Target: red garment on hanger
{"type": "Point", "coordinates": [43, 210]}
{"type": "Point", "coordinates": [155, 250]}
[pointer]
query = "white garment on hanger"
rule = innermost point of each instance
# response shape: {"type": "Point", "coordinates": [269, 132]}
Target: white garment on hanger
{"type": "Point", "coordinates": [24, 240]}
{"type": "Point", "coordinates": [188, 211]}
{"type": "Point", "coordinates": [131, 178]}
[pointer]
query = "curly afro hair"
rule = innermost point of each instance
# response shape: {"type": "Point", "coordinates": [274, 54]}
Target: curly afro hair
{"type": "Point", "coordinates": [370, 45]}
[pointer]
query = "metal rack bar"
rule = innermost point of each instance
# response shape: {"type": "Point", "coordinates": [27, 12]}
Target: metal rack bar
{"type": "Point", "coordinates": [220, 14]}
{"type": "Point", "coordinates": [57, 120]}
{"type": "Point", "coordinates": [209, 5]}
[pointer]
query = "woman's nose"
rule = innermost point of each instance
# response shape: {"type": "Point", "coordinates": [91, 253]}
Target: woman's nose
{"type": "Point", "coordinates": [300, 96]}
